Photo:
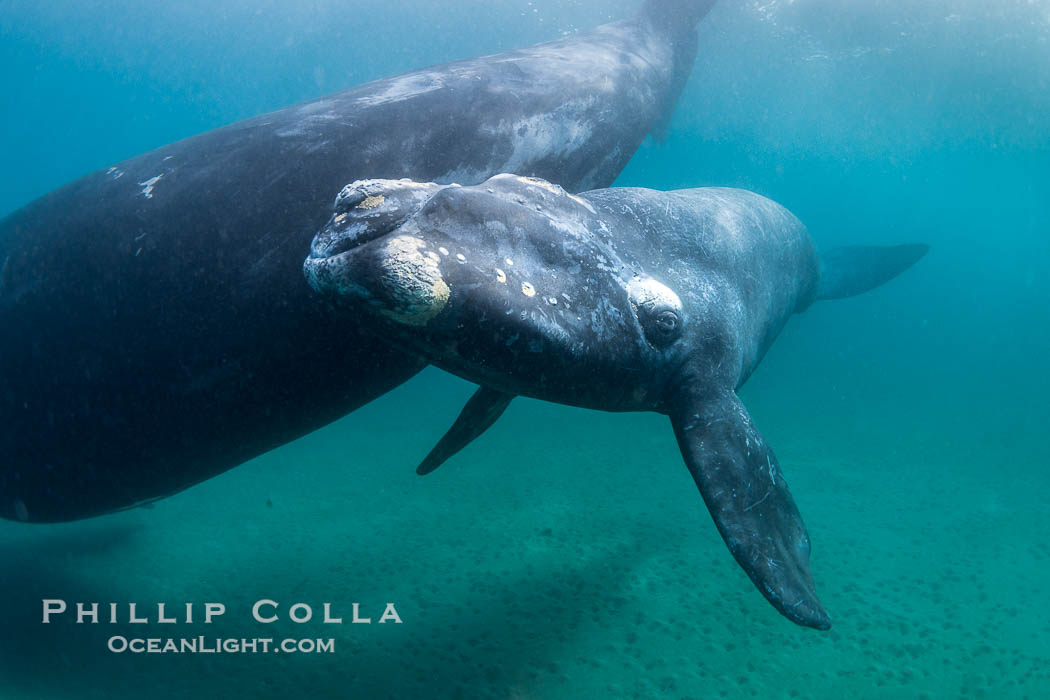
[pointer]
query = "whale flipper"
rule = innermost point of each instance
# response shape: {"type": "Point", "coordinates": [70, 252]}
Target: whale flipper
{"type": "Point", "coordinates": [741, 483]}
{"type": "Point", "coordinates": [481, 411]}
{"type": "Point", "coordinates": [855, 269]}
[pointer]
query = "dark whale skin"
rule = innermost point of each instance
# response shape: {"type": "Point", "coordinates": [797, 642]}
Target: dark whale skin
{"type": "Point", "coordinates": [157, 329]}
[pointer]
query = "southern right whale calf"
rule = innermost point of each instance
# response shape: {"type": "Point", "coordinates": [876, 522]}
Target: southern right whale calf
{"type": "Point", "coordinates": [618, 299]}
{"type": "Point", "coordinates": [156, 328]}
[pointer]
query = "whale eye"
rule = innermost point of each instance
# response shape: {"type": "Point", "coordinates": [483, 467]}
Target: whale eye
{"type": "Point", "coordinates": [666, 322]}
{"type": "Point", "coordinates": [662, 326]}
{"type": "Point", "coordinates": [658, 310]}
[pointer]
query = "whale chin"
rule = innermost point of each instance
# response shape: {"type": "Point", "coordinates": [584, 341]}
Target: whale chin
{"type": "Point", "coordinates": [412, 289]}
{"type": "Point", "coordinates": [394, 276]}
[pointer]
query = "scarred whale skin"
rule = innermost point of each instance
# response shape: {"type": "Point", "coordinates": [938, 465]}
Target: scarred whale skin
{"type": "Point", "coordinates": [156, 326]}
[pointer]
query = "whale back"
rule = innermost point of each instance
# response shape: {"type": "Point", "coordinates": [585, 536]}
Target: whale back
{"type": "Point", "coordinates": [157, 328]}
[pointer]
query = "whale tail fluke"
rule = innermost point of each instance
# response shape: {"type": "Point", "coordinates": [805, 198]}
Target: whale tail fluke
{"type": "Point", "coordinates": [677, 14]}
{"type": "Point", "coordinates": [679, 19]}
{"type": "Point", "coordinates": [855, 269]}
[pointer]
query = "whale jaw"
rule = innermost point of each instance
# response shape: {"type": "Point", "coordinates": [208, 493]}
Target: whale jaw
{"type": "Point", "coordinates": [395, 276]}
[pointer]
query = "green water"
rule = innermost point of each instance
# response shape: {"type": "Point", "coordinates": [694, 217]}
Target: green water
{"type": "Point", "coordinates": [567, 553]}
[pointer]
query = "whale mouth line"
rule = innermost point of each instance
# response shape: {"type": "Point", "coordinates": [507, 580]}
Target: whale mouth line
{"type": "Point", "coordinates": [366, 210]}
{"type": "Point", "coordinates": [349, 239]}
{"type": "Point", "coordinates": [344, 245]}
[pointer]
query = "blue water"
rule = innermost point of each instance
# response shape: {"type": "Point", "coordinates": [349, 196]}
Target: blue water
{"type": "Point", "coordinates": [567, 553]}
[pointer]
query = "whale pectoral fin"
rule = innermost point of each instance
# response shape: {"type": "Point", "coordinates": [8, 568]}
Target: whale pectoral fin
{"type": "Point", "coordinates": [481, 411]}
{"type": "Point", "coordinates": [741, 484]}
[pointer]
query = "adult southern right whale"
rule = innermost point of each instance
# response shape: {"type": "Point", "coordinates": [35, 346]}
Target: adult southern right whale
{"type": "Point", "coordinates": [156, 328]}
{"type": "Point", "coordinates": [621, 300]}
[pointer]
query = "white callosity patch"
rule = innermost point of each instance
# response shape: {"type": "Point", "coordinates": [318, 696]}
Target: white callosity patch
{"type": "Point", "coordinates": [415, 289]}
{"type": "Point", "coordinates": [371, 202]}
{"type": "Point", "coordinates": [367, 209]}
{"type": "Point", "coordinates": [375, 191]}
{"type": "Point", "coordinates": [657, 309]}
{"type": "Point", "coordinates": [647, 293]}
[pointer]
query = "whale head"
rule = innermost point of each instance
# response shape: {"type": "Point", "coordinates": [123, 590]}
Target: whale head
{"type": "Point", "coordinates": [513, 283]}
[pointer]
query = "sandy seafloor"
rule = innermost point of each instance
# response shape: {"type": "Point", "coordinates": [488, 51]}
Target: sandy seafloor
{"type": "Point", "coordinates": [567, 554]}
